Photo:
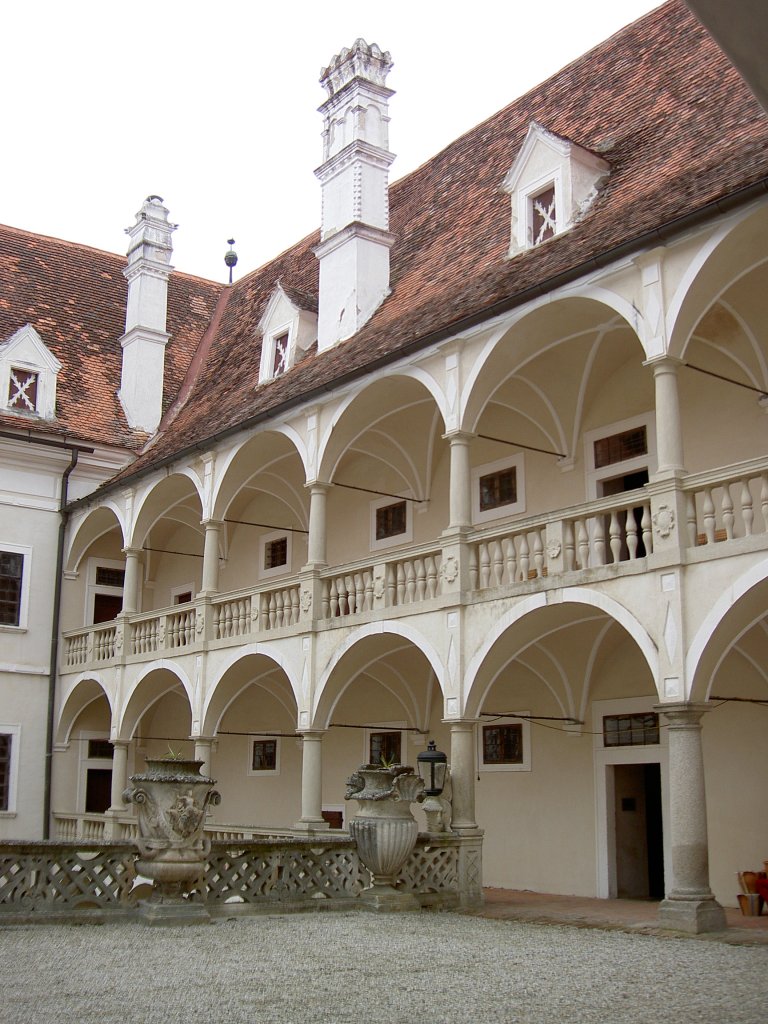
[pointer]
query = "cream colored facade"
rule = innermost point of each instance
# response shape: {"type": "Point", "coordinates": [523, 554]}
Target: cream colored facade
{"type": "Point", "coordinates": [578, 600]}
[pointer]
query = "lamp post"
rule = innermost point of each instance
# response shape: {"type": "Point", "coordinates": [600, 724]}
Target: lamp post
{"type": "Point", "coordinates": [432, 765]}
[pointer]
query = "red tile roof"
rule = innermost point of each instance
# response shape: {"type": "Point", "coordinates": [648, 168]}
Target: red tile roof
{"type": "Point", "coordinates": [659, 101]}
{"type": "Point", "coordinates": [74, 297]}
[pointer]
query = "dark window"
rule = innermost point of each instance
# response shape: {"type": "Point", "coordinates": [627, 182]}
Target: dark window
{"type": "Point", "coordinates": [22, 390]}
{"type": "Point", "coordinates": [280, 361]}
{"type": "Point", "coordinates": [183, 598]}
{"type": "Point", "coordinates": [629, 444]}
{"type": "Point", "coordinates": [106, 607]}
{"type": "Point", "coordinates": [334, 818]}
{"type": "Point", "coordinates": [503, 744]}
{"type": "Point", "coordinates": [109, 577]}
{"type": "Point", "coordinates": [11, 567]}
{"type": "Point", "coordinates": [100, 748]}
{"type": "Point", "coordinates": [5, 770]}
{"type": "Point", "coordinates": [543, 215]}
{"type": "Point", "coordinates": [264, 756]}
{"type": "Point", "coordinates": [98, 790]}
{"type": "Point", "coordinates": [390, 520]}
{"type": "Point", "coordinates": [498, 489]}
{"type": "Point", "coordinates": [276, 553]}
{"type": "Point", "coordinates": [631, 730]}
{"type": "Point", "coordinates": [385, 748]}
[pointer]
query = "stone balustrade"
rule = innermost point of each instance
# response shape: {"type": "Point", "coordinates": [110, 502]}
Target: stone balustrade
{"type": "Point", "coordinates": [724, 507]}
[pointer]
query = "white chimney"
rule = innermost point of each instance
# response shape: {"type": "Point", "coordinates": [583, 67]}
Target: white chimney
{"type": "Point", "coordinates": [145, 338]}
{"type": "Point", "coordinates": [355, 240]}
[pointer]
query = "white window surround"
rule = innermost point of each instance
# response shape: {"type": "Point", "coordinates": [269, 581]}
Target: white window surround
{"type": "Point", "coordinates": [266, 772]}
{"type": "Point", "coordinates": [14, 731]}
{"type": "Point", "coordinates": [277, 570]}
{"type": "Point", "coordinates": [25, 350]}
{"type": "Point", "coordinates": [283, 316]}
{"type": "Point", "coordinates": [399, 538]}
{"type": "Point", "coordinates": [26, 575]}
{"type": "Point", "coordinates": [544, 160]}
{"type": "Point", "coordinates": [185, 588]}
{"type": "Point", "coordinates": [93, 588]}
{"type": "Point", "coordinates": [525, 765]}
{"type": "Point", "coordinates": [266, 369]}
{"type": "Point", "coordinates": [512, 509]}
{"type": "Point", "coordinates": [596, 476]}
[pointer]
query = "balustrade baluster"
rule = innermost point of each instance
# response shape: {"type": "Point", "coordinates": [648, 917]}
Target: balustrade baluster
{"type": "Point", "coordinates": [421, 579]}
{"type": "Point", "coordinates": [631, 528]}
{"type": "Point", "coordinates": [525, 561]}
{"type": "Point", "coordinates": [342, 592]}
{"type": "Point", "coordinates": [280, 618]}
{"type": "Point", "coordinates": [569, 546]}
{"type": "Point", "coordinates": [431, 568]}
{"type": "Point", "coordinates": [709, 516]}
{"type": "Point", "coordinates": [538, 553]}
{"type": "Point", "coordinates": [367, 590]}
{"type": "Point", "coordinates": [645, 527]}
{"type": "Point", "coordinates": [485, 565]}
{"type": "Point", "coordinates": [510, 558]}
{"type": "Point", "coordinates": [473, 575]}
{"type": "Point", "coordinates": [598, 540]}
{"type": "Point", "coordinates": [583, 541]}
{"type": "Point", "coordinates": [349, 585]}
{"type": "Point", "coordinates": [333, 597]}
{"type": "Point", "coordinates": [325, 601]}
{"type": "Point", "coordinates": [264, 609]}
{"type": "Point", "coordinates": [615, 537]}
{"type": "Point", "coordinates": [410, 582]}
{"type": "Point", "coordinates": [497, 562]}
{"type": "Point", "coordinates": [400, 583]}
{"type": "Point", "coordinates": [728, 516]}
{"type": "Point", "coordinates": [272, 611]}
{"type": "Point", "coordinates": [764, 500]}
{"type": "Point", "coordinates": [391, 585]}
{"type": "Point", "coordinates": [690, 516]}
{"type": "Point", "coordinates": [747, 512]}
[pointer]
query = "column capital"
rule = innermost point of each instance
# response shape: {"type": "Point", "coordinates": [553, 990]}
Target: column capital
{"type": "Point", "coordinates": [311, 734]}
{"type": "Point", "coordinates": [322, 486]}
{"type": "Point", "coordinates": [683, 714]}
{"type": "Point", "coordinates": [459, 436]}
{"type": "Point", "coordinates": [130, 551]}
{"type": "Point", "coordinates": [664, 363]}
{"type": "Point", "coordinates": [212, 522]}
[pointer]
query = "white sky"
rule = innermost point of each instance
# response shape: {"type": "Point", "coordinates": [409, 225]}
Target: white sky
{"type": "Point", "coordinates": [214, 105]}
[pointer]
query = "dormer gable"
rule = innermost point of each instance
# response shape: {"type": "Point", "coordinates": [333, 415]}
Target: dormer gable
{"type": "Point", "coordinates": [552, 183]}
{"type": "Point", "coordinates": [288, 329]}
{"type": "Point", "coordinates": [28, 373]}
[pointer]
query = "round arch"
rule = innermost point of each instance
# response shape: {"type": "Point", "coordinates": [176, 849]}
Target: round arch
{"type": "Point", "coordinates": [171, 492]}
{"type": "Point", "coordinates": [86, 689]}
{"type": "Point", "coordinates": [158, 679]}
{"type": "Point", "coordinates": [255, 664]}
{"type": "Point", "coordinates": [95, 524]}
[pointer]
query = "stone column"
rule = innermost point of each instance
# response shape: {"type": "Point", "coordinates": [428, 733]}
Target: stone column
{"type": "Point", "coordinates": [203, 753]}
{"type": "Point", "coordinates": [119, 774]}
{"type": "Point", "coordinates": [669, 434]}
{"type": "Point", "coordinates": [689, 904]}
{"type": "Point", "coordinates": [316, 554]}
{"type": "Point", "coordinates": [460, 483]}
{"type": "Point", "coordinates": [312, 782]}
{"type": "Point", "coordinates": [132, 581]}
{"type": "Point", "coordinates": [211, 558]}
{"type": "Point", "coordinates": [463, 776]}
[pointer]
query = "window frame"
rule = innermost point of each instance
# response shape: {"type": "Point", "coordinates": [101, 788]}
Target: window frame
{"type": "Point", "coordinates": [525, 197]}
{"type": "Point", "coordinates": [268, 347]}
{"type": "Point", "coordinates": [595, 476]}
{"type": "Point", "coordinates": [406, 537]}
{"type": "Point", "coordinates": [525, 764]}
{"type": "Point", "coordinates": [90, 763]}
{"type": "Point", "coordinates": [93, 588]}
{"type": "Point", "coordinates": [516, 462]}
{"type": "Point", "coordinates": [393, 727]}
{"type": "Point", "coordinates": [262, 773]}
{"type": "Point", "coordinates": [25, 551]}
{"type": "Point", "coordinates": [14, 731]}
{"type": "Point", "coordinates": [180, 590]}
{"type": "Point", "coordinates": [277, 570]}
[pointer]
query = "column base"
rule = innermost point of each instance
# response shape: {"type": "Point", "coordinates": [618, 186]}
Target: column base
{"type": "Point", "coordinates": [311, 825]}
{"type": "Point", "coordinates": [172, 913]}
{"type": "Point", "coordinates": [692, 915]}
{"type": "Point", "coordinates": [384, 898]}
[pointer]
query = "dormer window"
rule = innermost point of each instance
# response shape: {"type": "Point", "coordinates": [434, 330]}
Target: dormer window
{"type": "Point", "coordinates": [288, 328]}
{"type": "Point", "coordinates": [28, 372]}
{"type": "Point", "coordinates": [22, 390]}
{"type": "Point", "coordinates": [552, 184]}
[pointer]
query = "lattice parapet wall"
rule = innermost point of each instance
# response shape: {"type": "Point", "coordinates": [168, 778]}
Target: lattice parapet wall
{"type": "Point", "coordinates": [49, 879]}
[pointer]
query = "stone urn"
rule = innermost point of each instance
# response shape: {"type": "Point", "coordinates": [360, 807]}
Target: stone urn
{"type": "Point", "coordinates": [171, 799]}
{"type": "Point", "coordinates": [384, 829]}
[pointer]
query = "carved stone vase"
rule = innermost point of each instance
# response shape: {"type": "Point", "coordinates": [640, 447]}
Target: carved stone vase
{"type": "Point", "coordinates": [384, 829]}
{"type": "Point", "coordinates": [171, 799]}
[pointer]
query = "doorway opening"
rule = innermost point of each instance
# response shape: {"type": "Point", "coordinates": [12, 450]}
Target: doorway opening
{"type": "Point", "coordinates": [639, 835]}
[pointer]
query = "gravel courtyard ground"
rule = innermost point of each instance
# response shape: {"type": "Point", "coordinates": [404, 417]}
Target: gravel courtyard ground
{"type": "Point", "coordinates": [340, 968]}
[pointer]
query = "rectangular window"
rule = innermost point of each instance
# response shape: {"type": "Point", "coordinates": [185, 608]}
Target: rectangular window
{"type": "Point", "coordinates": [106, 577]}
{"type": "Point", "coordinates": [543, 215]}
{"type": "Point", "coordinates": [11, 575]}
{"type": "Point", "coordinates": [629, 444]}
{"type": "Point", "coordinates": [280, 358]}
{"type": "Point", "coordinates": [390, 520]}
{"type": "Point", "coordinates": [101, 748]}
{"type": "Point", "coordinates": [385, 748]}
{"type": "Point", "coordinates": [6, 742]}
{"type": "Point", "coordinates": [502, 744]}
{"type": "Point", "coordinates": [263, 755]}
{"type": "Point", "coordinates": [631, 730]}
{"type": "Point", "coordinates": [497, 489]}
{"type": "Point", "coordinates": [276, 553]}
{"type": "Point", "coordinates": [22, 390]}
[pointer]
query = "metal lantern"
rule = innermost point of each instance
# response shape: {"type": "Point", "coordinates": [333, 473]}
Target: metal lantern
{"type": "Point", "coordinates": [431, 764]}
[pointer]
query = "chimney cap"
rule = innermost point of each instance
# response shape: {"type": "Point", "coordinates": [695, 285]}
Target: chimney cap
{"type": "Point", "coordinates": [359, 61]}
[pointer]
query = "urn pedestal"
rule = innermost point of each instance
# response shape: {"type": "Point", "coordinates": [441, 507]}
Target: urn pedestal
{"type": "Point", "coordinates": [384, 829]}
{"type": "Point", "coordinates": [171, 799]}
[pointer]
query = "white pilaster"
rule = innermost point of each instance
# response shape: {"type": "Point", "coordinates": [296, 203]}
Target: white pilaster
{"type": "Point", "coordinates": [132, 580]}
{"type": "Point", "coordinates": [211, 558]}
{"type": "Point", "coordinates": [463, 776]}
{"type": "Point", "coordinates": [312, 782]}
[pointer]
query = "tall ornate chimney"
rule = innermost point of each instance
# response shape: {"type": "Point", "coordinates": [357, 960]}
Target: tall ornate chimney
{"type": "Point", "coordinates": [145, 338]}
{"type": "Point", "coordinates": [355, 240]}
